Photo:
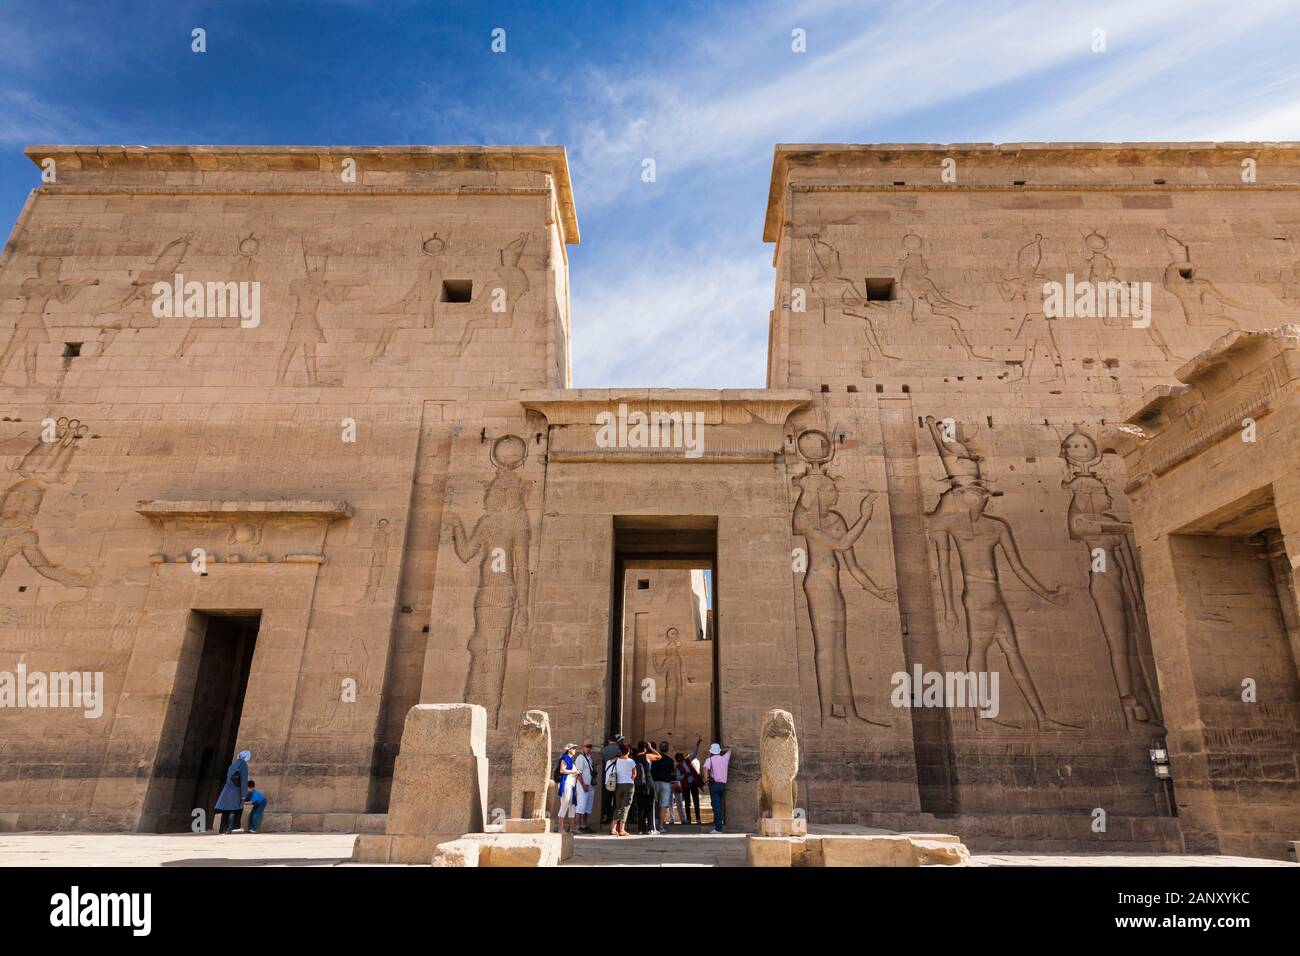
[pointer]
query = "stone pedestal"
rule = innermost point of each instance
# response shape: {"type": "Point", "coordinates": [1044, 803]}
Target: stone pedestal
{"type": "Point", "coordinates": [782, 826]}
{"type": "Point", "coordinates": [439, 785]}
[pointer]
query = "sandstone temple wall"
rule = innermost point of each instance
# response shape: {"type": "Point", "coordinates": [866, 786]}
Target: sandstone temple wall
{"type": "Point", "coordinates": [925, 484]}
{"type": "Point", "coordinates": [201, 416]}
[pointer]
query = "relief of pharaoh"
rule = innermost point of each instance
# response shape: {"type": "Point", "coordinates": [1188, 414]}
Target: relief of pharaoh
{"type": "Point", "coordinates": [958, 521]}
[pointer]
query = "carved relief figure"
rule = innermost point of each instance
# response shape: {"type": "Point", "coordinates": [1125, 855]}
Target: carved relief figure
{"type": "Point", "coordinates": [669, 663]}
{"type": "Point", "coordinates": [29, 331]}
{"type": "Point", "coordinates": [512, 280]}
{"type": "Point", "coordinates": [244, 269]}
{"type": "Point", "coordinates": [1026, 288]}
{"type": "Point", "coordinates": [830, 284]}
{"type": "Point", "coordinates": [958, 521]}
{"type": "Point", "coordinates": [49, 460]}
{"type": "Point", "coordinates": [18, 510]}
{"type": "Point", "coordinates": [500, 542]}
{"type": "Point", "coordinates": [417, 309]}
{"type": "Point", "coordinates": [1114, 576]}
{"type": "Point", "coordinates": [162, 268]}
{"type": "Point", "coordinates": [378, 559]}
{"type": "Point", "coordinates": [830, 541]}
{"type": "Point", "coordinates": [305, 330]}
{"type": "Point", "coordinates": [1101, 269]}
{"type": "Point", "coordinates": [1203, 304]}
{"type": "Point", "coordinates": [927, 304]}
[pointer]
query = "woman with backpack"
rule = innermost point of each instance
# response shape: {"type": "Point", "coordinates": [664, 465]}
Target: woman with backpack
{"type": "Point", "coordinates": [230, 802]}
{"type": "Point", "coordinates": [688, 775]}
{"type": "Point", "coordinates": [644, 805]}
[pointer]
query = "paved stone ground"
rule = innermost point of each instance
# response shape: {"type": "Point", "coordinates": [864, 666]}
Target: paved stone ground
{"type": "Point", "coordinates": [174, 849]}
{"type": "Point", "coordinates": [328, 849]}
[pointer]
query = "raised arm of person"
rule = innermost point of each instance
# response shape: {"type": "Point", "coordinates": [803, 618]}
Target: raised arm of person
{"type": "Point", "coordinates": [1008, 542]}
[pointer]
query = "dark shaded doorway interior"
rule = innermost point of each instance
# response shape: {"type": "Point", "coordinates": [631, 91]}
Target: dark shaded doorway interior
{"type": "Point", "coordinates": [202, 722]}
{"type": "Point", "coordinates": [663, 647]}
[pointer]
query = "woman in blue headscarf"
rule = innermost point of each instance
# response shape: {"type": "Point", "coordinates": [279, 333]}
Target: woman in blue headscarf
{"type": "Point", "coordinates": [231, 801]}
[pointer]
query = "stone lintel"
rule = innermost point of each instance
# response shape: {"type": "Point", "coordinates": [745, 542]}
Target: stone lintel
{"type": "Point", "coordinates": [581, 406]}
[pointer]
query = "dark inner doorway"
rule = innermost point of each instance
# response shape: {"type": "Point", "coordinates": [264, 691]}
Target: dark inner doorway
{"type": "Point", "coordinates": [199, 732]}
{"type": "Point", "coordinates": [679, 665]}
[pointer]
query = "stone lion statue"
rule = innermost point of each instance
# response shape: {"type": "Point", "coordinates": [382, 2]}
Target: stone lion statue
{"type": "Point", "coordinates": [530, 765]}
{"type": "Point", "coordinates": [778, 754]}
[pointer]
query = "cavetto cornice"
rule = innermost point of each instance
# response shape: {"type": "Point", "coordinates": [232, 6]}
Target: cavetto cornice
{"type": "Point", "coordinates": [1028, 166]}
{"type": "Point", "coordinates": [171, 160]}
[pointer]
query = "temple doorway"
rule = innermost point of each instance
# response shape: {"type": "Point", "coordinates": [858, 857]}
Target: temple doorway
{"type": "Point", "coordinates": [663, 670]}
{"type": "Point", "coordinates": [199, 732]}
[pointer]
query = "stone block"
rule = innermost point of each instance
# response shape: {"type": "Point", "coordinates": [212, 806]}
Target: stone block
{"type": "Point", "coordinates": [445, 729]}
{"type": "Point", "coordinates": [457, 853]}
{"type": "Point", "coordinates": [782, 826]}
{"type": "Point", "coordinates": [444, 794]}
{"type": "Point", "coordinates": [853, 850]}
{"type": "Point", "coordinates": [940, 852]}
{"type": "Point", "coordinates": [439, 789]}
{"type": "Point", "coordinates": [769, 851]}
{"type": "Point", "coordinates": [527, 825]}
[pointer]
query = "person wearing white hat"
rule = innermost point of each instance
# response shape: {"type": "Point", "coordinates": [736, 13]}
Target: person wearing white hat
{"type": "Point", "coordinates": [715, 775]}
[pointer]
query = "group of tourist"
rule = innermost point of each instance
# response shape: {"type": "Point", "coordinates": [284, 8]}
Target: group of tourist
{"type": "Point", "coordinates": [641, 781]}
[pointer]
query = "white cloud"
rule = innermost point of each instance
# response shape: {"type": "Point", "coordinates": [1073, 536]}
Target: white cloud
{"type": "Point", "coordinates": [723, 101]}
{"type": "Point", "coordinates": [674, 321]}
{"type": "Point", "coordinates": [711, 112]}
{"type": "Point", "coordinates": [26, 118]}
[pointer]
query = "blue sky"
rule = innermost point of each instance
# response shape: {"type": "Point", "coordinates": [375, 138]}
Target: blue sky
{"type": "Point", "coordinates": [672, 283]}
